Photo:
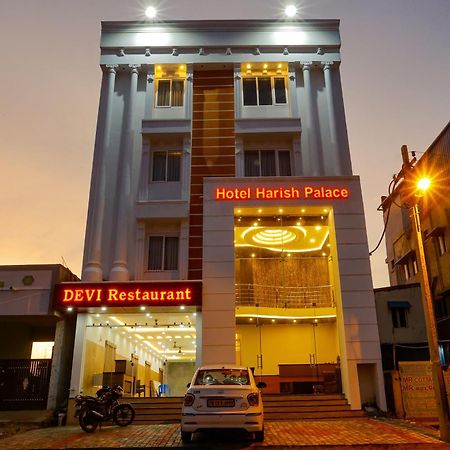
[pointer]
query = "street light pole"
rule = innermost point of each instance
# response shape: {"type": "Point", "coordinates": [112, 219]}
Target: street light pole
{"type": "Point", "coordinates": [430, 324]}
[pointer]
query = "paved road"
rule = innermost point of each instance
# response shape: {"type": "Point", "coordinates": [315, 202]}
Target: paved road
{"type": "Point", "coordinates": [363, 433]}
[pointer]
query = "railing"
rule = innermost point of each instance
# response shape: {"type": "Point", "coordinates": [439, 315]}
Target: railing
{"type": "Point", "coordinates": [24, 383]}
{"type": "Point", "coordinates": [284, 296]}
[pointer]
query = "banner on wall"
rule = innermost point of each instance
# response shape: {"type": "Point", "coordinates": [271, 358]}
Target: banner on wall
{"type": "Point", "coordinates": [132, 294]}
{"type": "Point", "coordinates": [417, 389]}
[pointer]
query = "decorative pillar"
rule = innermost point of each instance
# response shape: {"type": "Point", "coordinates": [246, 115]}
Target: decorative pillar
{"type": "Point", "coordinates": [119, 270]}
{"type": "Point", "coordinates": [92, 270]}
{"type": "Point", "coordinates": [315, 156]}
{"type": "Point", "coordinates": [333, 155]}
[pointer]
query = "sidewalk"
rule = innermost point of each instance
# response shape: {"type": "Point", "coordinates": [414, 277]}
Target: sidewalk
{"type": "Point", "coordinates": [363, 433]}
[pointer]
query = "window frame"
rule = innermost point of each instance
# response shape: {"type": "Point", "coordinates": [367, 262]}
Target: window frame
{"type": "Point", "coordinates": [277, 161]}
{"type": "Point", "coordinates": [166, 151]}
{"type": "Point", "coordinates": [171, 80]}
{"type": "Point", "coordinates": [163, 252]}
{"type": "Point", "coordinates": [441, 244]}
{"type": "Point", "coordinates": [272, 90]}
{"type": "Point", "coordinates": [399, 317]}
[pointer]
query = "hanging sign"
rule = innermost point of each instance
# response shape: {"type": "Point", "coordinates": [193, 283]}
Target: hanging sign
{"type": "Point", "coordinates": [282, 193]}
{"type": "Point", "coordinates": [108, 294]}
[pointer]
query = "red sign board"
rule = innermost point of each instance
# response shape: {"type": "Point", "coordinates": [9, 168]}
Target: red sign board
{"type": "Point", "coordinates": [282, 193]}
{"type": "Point", "coordinates": [158, 293]}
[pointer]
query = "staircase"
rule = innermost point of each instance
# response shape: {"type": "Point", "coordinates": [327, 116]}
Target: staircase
{"type": "Point", "coordinates": [277, 407]}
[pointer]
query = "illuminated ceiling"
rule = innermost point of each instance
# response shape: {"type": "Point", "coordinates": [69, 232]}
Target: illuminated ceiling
{"type": "Point", "coordinates": [170, 336]}
{"type": "Point", "coordinates": [293, 239]}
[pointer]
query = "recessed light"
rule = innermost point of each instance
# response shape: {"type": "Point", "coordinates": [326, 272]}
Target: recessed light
{"type": "Point", "coordinates": [182, 307]}
{"type": "Point", "coordinates": [312, 240]}
{"type": "Point", "coordinates": [260, 210]}
{"type": "Point", "coordinates": [103, 308]}
{"type": "Point", "coordinates": [249, 66]}
{"type": "Point", "coordinates": [143, 308]}
{"type": "Point", "coordinates": [69, 309]}
{"type": "Point", "coordinates": [280, 210]}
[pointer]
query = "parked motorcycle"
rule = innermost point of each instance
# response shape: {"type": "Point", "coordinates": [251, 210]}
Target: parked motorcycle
{"type": "Point", "coordinates": [91, 411]}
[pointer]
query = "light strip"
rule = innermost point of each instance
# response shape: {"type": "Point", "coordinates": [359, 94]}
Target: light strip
{"type": "Point", "coordinates": [267, 316]}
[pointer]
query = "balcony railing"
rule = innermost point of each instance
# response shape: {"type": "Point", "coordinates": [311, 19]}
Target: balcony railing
{"type": "Point", "coordinates": [284, 296]}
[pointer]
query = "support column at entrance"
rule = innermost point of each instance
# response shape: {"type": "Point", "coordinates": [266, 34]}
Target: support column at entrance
{"type": "Point", "coordinates": [76, 379]}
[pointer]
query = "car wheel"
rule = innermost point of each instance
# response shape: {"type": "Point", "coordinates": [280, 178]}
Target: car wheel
{"type": "Point", "coordinates": [186, 436]}
{"type": "Point", "coordinates": [259, 435]}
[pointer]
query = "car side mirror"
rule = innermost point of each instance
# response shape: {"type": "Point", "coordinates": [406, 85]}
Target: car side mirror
{"type": "Point", "coordinates": [261, 385]}
{"type": "Point", "coordinates": [188, 385]}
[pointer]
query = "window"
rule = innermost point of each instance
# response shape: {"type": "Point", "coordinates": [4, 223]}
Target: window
{"type": "Point", "coordinates": [399, 317]}
{"type": "Point", "coordinates": [406, 271]}
{"type": "Point", "coordinates": [170, 93]}
{"type": "Point", "coordinates": [267, 163]}
{"type": "Point", "coordinates": [441, 246]}
{"type": "Point", "coordinates": [166, 165]}
{"type": "Point", "coordinates": [415, 266]}
{"type": "Point", "coordinates": [260, 91]}
{"type": "Point", "coordinates": [163, 253]}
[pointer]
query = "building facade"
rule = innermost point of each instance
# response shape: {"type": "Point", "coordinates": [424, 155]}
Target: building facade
{"type": "Point", "coordinates": [434, 208]}
{"type": "Point", "coordinates": [225, 224]}
{"type": "Point", "coordinates": [37, 341]}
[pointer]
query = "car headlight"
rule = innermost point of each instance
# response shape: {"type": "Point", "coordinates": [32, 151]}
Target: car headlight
{"type": "Point", "coordinates": [189, 400]}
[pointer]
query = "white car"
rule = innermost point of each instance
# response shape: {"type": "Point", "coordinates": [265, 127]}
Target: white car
{"type": "Point", "coordinates": [223, 397]}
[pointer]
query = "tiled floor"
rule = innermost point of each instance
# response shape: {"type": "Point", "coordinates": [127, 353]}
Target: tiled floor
{"type": "Point", "coordinates": [355, 433]}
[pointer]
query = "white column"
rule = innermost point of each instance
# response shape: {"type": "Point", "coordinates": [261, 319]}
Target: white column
{"type": "Point", "coordinates": [149, 92]}
{"type": "Point", "coordinates": [92, 270]}
{"type": "Point", "coordinates": [333, 154]}
{"type": "Point", "coordinates": [237, 91]}
{"type": "Point", "coordinates": [315, 157]}
{"type": "Point", "coordinates": [119, 270]}
{"type": "Point", "coordinates": [76, 379]}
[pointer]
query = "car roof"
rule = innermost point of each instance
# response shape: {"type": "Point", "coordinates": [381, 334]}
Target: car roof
{"type": "Point", "coordinates": [222, 366]}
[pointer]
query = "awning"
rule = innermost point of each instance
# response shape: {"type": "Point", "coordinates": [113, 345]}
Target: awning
{"type": "Point", "coordinates": [399, 304]}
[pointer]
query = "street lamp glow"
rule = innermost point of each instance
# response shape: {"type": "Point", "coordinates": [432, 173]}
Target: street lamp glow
{"type": "Point", "coordinates": [150, 12]}
{"type": "Point", "coordinates": [290, 10]}
{"type": "Point", "coordinates": [423, 184]}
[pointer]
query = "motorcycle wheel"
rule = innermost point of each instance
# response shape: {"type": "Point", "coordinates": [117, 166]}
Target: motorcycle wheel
{"type": "Point", "coordinates": [88, 422]}
{"type": "Point", "coordinates": [123, 415]}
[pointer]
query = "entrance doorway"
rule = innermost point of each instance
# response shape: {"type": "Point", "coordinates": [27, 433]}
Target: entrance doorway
{"type": "Point", "coordinates": [285, 298]}
{"type": "Point", "coordinates": [148, 353]}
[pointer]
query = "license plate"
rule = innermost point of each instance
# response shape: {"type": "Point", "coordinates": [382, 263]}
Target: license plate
{"type": "Point", "coordinates": [220, 402]}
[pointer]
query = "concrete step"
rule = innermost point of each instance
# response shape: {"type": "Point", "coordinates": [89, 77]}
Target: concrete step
{"type": "Point", "coordinates": [276, 408]}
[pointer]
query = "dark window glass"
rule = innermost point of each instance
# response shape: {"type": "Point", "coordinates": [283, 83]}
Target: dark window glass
{"type": "Point", "coordinates": [249, 89]}
{"type": "Point", "coordinates": [399, 317]}
{"type": "Point", "coordinates": [251, 163]}
{"type": "Point", "coordinates": [171, 253]}
{"type": "Point", "coordinates": [155, 252]}
{"type": "Point", "coordinates": [284, 163]}
{"type": "Point", "coordinates": [173, 166]}
{"type": "Point", "coordinates": [280, 90]}
{"type": "Point", "coordinates": [163, 93]}
{"type": "Point", "coordinates": [177, 92]}
{"type": "Point", "coordinates": [268, 168]}
{"type": "Point", "coordinates": [159, 166]}
{"type": "Point", "coordinates": [264, 91]}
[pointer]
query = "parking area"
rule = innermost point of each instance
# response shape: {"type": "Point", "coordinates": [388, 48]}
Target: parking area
{"type": "Point", "coordinates": [361, 433]}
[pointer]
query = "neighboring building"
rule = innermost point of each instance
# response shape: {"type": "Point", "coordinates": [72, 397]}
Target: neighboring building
{"type": "Point", "coordinates": [225, 224]}
{"type": "Point", "coordinates": [37, 342]}
{"type": "Point", "coordinates": [401, 324]}
{"type": "Point", "coordinates": [435, 221]}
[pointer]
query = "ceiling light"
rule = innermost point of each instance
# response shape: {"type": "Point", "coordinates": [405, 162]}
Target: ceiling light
{"type": "Point", "coordinates": [324, 254]}
{"type": "Point", "coordinates": [142, 308]}
{"type": "Point", "coordinates": [253, 255]}
{"type": "Point", "coordinates": [265, 66]}
{"type": "Point", "coordinates": [328, 245]}
{"type": "Point", "coordinates": [150, 12]}
{"type": "Point", "coordinates": [103, 308]}
{"type": "Point", "coordinates": [325, 210]}
{"type": "Point", "coordinates": [251, 319]}
{"type": "Point", "coordinates": [290, 10]}
{"type": "Point", "coordinates": [260, 210]}
{"type": "Point", "coordinates": [249, 66]}
{"type": "Point", "coordinates": [318, 227]}
{"type": "Point", "coordinates": [239, 211]}
{"type": "Point", "coordinates": [279, 66]}
{"type": "Point", "coordinates": [69, 309]}
{"type": "Point", "coordinates": [123, 332]}
{"type": "Point", "coordinates": [312, 240]}
{"type": "Point", "coordinates": [280, 210]}
{"type": "Point", "coordinates": [303, 210]}
{"type": "Point", "coordinates": [182, 307]}
{"type": "Point", "coordinates": [273, 320]}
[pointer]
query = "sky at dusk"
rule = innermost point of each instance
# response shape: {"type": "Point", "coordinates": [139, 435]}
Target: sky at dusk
{"type": "Point", "coordinates": [395, 74]}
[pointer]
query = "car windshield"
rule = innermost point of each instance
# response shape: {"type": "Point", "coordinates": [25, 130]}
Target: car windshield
{"type": "Point", "coordinates": [223, 376]}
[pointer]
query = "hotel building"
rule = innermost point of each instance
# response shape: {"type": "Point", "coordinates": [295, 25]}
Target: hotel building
{"type": "Point", "coordinates": [225, 225]}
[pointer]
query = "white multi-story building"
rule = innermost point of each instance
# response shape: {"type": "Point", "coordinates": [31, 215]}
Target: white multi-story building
{"type": "Point", "coordinates": [225, 224]}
